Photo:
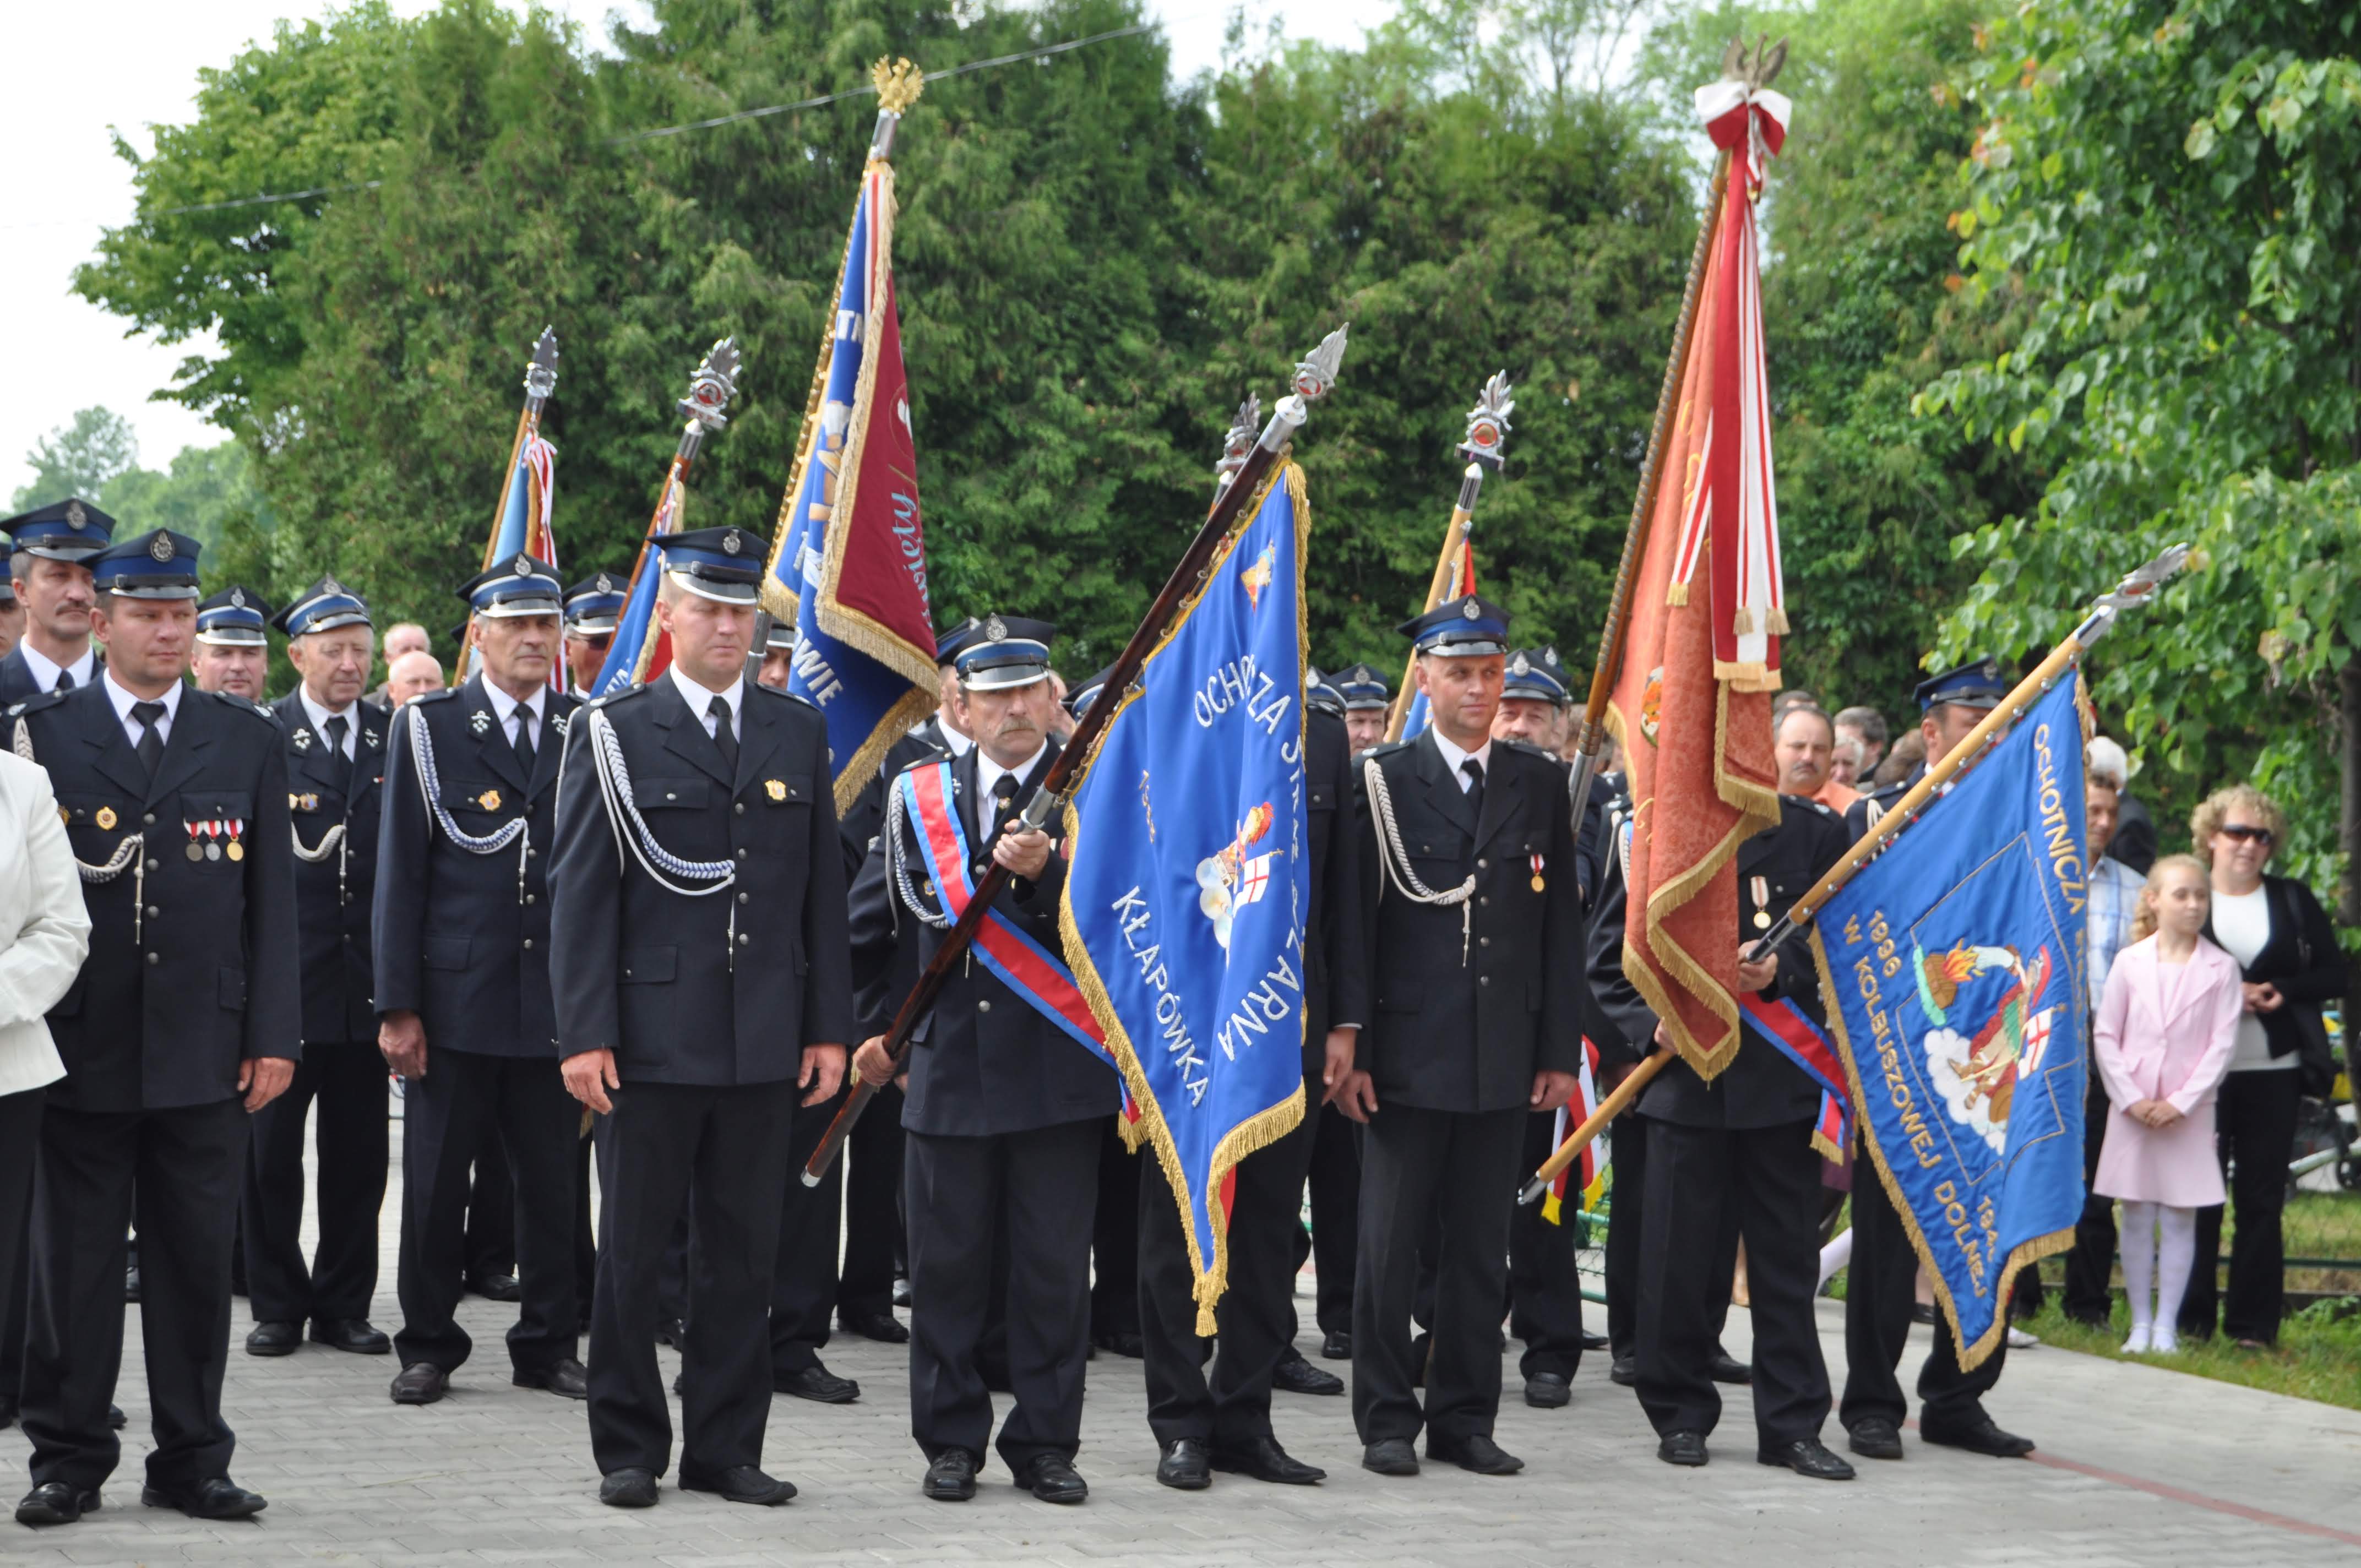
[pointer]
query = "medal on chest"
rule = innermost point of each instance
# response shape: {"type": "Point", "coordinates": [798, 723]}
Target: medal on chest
{"type": "Point", "coordinates": [1538, 882]}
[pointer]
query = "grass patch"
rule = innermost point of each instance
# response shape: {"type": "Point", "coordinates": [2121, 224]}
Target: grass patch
{"type": "Point", "coordinates": [2318, 1356]}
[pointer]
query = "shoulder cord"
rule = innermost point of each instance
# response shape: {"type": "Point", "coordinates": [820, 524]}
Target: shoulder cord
{"type": "Point", "coordinates": [127, 852]}
{"type": "Point", "coordinates": [660, 863]}
{"type": "Point", "coordinates": [1397, 865]}
{"type": "Point", "coordinates": [430, 785]}
{"type": "Point", "coordinates": [897, 813]}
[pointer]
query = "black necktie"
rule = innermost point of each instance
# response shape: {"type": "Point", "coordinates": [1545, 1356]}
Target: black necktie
{"type": "Point", "coordinates": [723, 736]}
{"type": "Point", "coordinates": [524, 738]}
{"type": "Point", "coordinates": [1003, 795]}
{"type": "Point", "coordinates": [65, 680]}
{"type": "Point", "coordinates": [338, 728]}
{"type": "Point", "coordinates": [1475, 772]}
{"type": "Point", "coordinates": [151, 739]}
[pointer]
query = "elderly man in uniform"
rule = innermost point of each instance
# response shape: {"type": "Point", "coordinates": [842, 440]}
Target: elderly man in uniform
{"type": "Point", "coordinates": [1003, 1111]}
{"type": "Point", "coordinates": [464, 1014]}
{"type": "Point", "coordinates": [1368, 701]}
{"type": "Point", "coordinates": [1737, 1147]}
{"type": "Point", "coordinates": [592, 608]}
{"type": "Point", "coordinates": [186, 1018]}
{"type": "Point", "coordinates": [1476, 932]}
{"type": "Point", "coordinates": [231, 654]}
{"type": "Point", "coordinates": [703, 990]}
{"type": "Point", "coordinates": [336, 762]}
{"type": "Point", "coordinates": [49, 564]}
{"type": "Point", "coordinates": [1881, 1288]}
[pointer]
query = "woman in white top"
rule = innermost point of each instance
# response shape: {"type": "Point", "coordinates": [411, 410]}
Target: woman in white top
{"type": "Point", "coordinates": [2290, 964]}
{"type": "Point", "coordinates": [44, 936]}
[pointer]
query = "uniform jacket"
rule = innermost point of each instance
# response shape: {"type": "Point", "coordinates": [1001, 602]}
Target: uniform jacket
{"type": "Point", "coordinates": [44, 929]}
{"type": "Point", "coordinates": [333, 894]}
{"type": "Point", "coordinates": [462, 939]}
{"type": "Point", "coordinates": [1863, 814]}
{"type": "Point", "coordinates": [166, 1019]}
{"type": "Point", "coordinates": [17, 682]}
{"type": "Point", "coordinates": [985, 1060]}
{"type": "Point", "coordinates": [724, 989]}
{"type": "Point", "coordinates": [1335, 935]}
{"type": "Point", "coordinates": [1467, 1030]}
{"type": "Point", "coordinates": [1760, 1087]}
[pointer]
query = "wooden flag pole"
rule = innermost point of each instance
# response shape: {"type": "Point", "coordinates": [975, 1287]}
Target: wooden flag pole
{"type": "Point", "coordinates": [1638, 1078]}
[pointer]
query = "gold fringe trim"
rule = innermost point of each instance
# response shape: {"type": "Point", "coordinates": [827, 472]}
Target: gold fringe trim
{"type": "Point", "coordinates": [1971, 1355]}
{"type": "Point", "coordinates": [1778, 620]}
{"type": "Point", "coordinates": [1677, 594]}
{"type": "Point", "coordinates": [898, 720]}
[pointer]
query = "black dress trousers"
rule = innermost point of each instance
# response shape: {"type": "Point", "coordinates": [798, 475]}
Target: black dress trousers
{"type": "Point", "coordinates": [1544, 1287]}
{"type": "Point", "coordinates": [347, 1080]}
{"type": "Point", "coordinates": [2255, 1117]}
{"type": "Point", "coordinates": [523, 1102]}
{"type": "Point", "coordinates": [1772, 1177]}
{"type": "Point", "coordinates": [1880, 1289]}
{"type": "Point", "coordinates": [872, 1209]}
{"type": "Point", "coordinates": [491, 1247]}
{"type": "Point", "coordinates": [1335, 1179]}
{"type": "Point", "coordinates": [1043, 1185]}
{"type": "Point", "coordinates": [803, 1275]}
{"type": "Point", "coordinates": [1114, 1239]}
{"type": "Point", "coordinates": [180, 1173]}
{"type": "Point", "coordinates": [1626, 1200]}
{"type": "Point", "coordinates": [1227, 1404]}
{"type": "Point", "coordinates": [1405, 1188]}
{"type": "Point", "coordinates": [2089, 1268]}
{"type": "Point", "coordinates": [723, 1152]}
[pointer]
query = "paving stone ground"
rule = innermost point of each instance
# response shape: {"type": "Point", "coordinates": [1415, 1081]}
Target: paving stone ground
{"type": "Point", "coordinates": [2138, 1466]}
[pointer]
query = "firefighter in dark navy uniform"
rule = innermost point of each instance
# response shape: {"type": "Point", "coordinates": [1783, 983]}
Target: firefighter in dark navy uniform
{"type": "Point", "coordinates": [592, 608]}
{"type": "Point", "coordinates": [703, 989]}
{"type": "Point", "coordinates": [49, 564]}
{"type": "Point", "coordinates": [185, 1019]}
{"type": "Point", "coordinates": [1475, 911]}
{"type": "Point", "coordinates": [463, 965]}
{"type": "Point", "coordinates": [1002, 1109]}
{"type": "Point", "coordinates": [336, 764]}
{"type": "Point", "coordinates": [1742, 1141]}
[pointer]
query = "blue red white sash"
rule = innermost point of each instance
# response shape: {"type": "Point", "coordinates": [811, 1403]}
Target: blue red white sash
{"type": "Point", "coordinates": [1806, 1044]}
{"type": "Point", "coordinates": [1023, 965]}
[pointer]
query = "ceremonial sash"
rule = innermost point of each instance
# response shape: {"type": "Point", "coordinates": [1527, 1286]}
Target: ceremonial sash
{"type": "Point", "coordinates": [1023, 965]}
{"type": "Point", "coordinates": [1806, 1044]}
{"type": "Point", "coordinates": [1575, 1180]}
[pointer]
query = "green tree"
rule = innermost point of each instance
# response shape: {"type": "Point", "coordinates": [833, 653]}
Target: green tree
{"type": "Point", "coordinates": [80, 459]}
{"type": "Point", "coordinates": [2167, 188]}
{"type": "Point", "coordinates": [207, 492]}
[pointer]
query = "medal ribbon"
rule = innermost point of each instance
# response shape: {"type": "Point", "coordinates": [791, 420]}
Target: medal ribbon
{"type": "Point", "coordinates": [1791, 1030]}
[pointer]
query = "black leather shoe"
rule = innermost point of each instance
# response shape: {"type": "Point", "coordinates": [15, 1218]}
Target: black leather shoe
{"type": "Point", "coordinates": [1874, 1437]}
{"type": "Point", "coordinates": [1264, 1460]}
{"type": "Point", "coordinates": [1593, 1341]}
{"type": "Point", "coordinates": [131, 1284]}
{"type": "Point", "coordinates": [420, 1383]}
{"type": "Point", "coordinates": [739, 1483]}
{"type": "Point", "coordinates": [1978, 1435]}
{"type": "Point", "coordinates": [1476, 1452]}
{"type": "Point", "coordinates": [817, 1384]}
{"type": "Point", "coordinates": [1051, 1479]}
{"type": "Point", "coordinates": [1122, 1341]}
{"type": "Point", "coordinates": [275, 1337]}
{"type": "Point", "coordinates": [355, 1335]}
{"type": "Point", "coordinates": [674, 1333]}
{"type": "Point", "coordinates": [902, 1293]}
{"type": "Point", "coordinates": [1185, 1465]}
{"type": "Point", "coordinates": [1336, 1347]}
{"type": "Point", "coordinates": [1624, 1370]}
{"type": "Point", "coordinates": [1805, 1456]}
{"type": "Point", "coordinates": [629, 1487]}
{"type": "Point", "coordinates": [1294, 1374]}
{"type": "Point", "coordinates": [1548, 1390]}
{"type": "Point", "coordinates": [1726, 1368]}
{"type": "Point", "coordinates": [565, 1378]}
{"type": "Point", "coordinates": [1390, 1456]}
{"type": "Point", "coordinates": [496, 1286]}
{"type": "Point", "coordinates": [116, 1419]}
{"type": "Point", "coordinates": [214, 1497]}
{"type": "Point", "coordinates": [882, 1327]}
{"type": "Point", "coordinates": [951, 1477]}
{"type": "Point", "coordinates": [1682, 1448]}
{"type": "Point", "coordinates": [55, 1502]}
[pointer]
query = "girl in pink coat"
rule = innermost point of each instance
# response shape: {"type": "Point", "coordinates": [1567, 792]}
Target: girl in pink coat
{"type": "Point", "coordinates": [2167, 1026]}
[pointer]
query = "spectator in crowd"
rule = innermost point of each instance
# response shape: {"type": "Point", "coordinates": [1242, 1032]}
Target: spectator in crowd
{"type": "Point", "coordinates": [1793, 696]}
{"type": "Point", "coordinates": [414, 674]}
{"type": "Point", "coordinates": [2135, 840]}
{"type": "Point", "coordinates": [1844, 762]}
{"type": "Point", "coordinates": [1866, 728]}
{"type": "Point", "coordinates": [1908, 753]}
{"type": "Point", "coordinates": [2162, 1043]}
{"type": "Point", "coordinates": [1802, 741]}
{"type": "Point", "coordinates": [2280, 937]}
{"type": "Point", "coordinates": [401, 639]}
{"type": "Point", "coordinates": [2115, 890]}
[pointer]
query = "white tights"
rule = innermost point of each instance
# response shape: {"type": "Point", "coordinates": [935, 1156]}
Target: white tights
{"type": "Point", "coordinates": [2159, 1248]}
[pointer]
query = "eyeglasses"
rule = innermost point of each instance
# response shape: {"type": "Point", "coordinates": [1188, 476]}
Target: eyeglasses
{"type": "Point", "coordinates": [2245, 832]}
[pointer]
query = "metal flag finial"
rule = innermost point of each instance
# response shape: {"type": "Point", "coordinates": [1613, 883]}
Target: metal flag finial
{"type": "Point", "coordinates": [898, 84]}
{"type": "Point", "coordinates": [540, 371]}
{"type": "Point", "coordinates": [1239, 442]}
{"type": "Point", "coordinates": [1758, 67]}
{"type": "Point", "coordinates": [1488, 421]}
{"type": "Point", "coordinates": [709, 390]}
{"type": "Point", "coordinates": [1315, 373]}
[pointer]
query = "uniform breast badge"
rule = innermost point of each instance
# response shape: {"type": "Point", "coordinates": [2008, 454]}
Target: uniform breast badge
{"type": "Point", "coordinates": [775, 788]}
{"type": "Point", "coordinates": [105, 818]}
{"type": "Point", "coordinates": [490, 800]}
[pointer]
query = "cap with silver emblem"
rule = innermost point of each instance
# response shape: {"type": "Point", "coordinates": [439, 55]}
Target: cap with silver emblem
{"type": "Point", "coordinates": [518, 587]}
{"type": "Point", "coordinates": [593, 607]}
{"type": "Point", "coordinates": [233, 619]}
{"type": "Point", "coordinates": [1006, 653]}
{"type": "Point", "coordinates": [724, 564]}
{"type": "Point", "coordinates": [324, 607]}
{"type": "Point", "coordinates": [1535, 675]}
{"type": "Point", "coordinates": [70, 530]}
{"type": "Point", "coordinates": [159, 565]}
{"type": "Point", "coordinates": [1976, 684]}
{"type": "Point", "coordinates": [1460, 628]}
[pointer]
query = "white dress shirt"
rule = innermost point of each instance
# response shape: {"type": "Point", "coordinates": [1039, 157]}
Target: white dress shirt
{"type": "Point", "coordinates": [988, 774]}
{"type": "Point", "coordinates": [350, 713]}
{"type": "Point", "coordinates": [1452, 756]}
{"type": "Point", "coordinates": [506, 708]}
{"type": "Point", "coordinates": [45, 673]}
{"type": "Point", "coordinates": [700, 700]}
{"type": "Point", "coordinates": [132, 728]}
{"type": "Point", "coordinates": [957, 742]}
{"type": "Point", "coordinates": [44, 925]}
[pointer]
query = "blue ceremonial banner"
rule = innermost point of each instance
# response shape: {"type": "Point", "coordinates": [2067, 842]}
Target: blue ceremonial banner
{"type": "Point", "coordinates": [849, 568]}
{"type": "Point", "coordinates": [1954, 968]}
{"type": "Point", "coordinates": [1184, 905]}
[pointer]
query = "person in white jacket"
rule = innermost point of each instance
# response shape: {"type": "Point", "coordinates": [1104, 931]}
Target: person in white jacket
{"type": "Point", "coordinates": [44, 936]}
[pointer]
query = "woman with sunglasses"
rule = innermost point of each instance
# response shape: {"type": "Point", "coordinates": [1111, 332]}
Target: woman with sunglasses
{"type": "Point", "coordinates": [2280, 937]}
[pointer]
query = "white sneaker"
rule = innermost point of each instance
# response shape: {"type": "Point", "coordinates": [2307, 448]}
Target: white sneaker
{"type": "Point", "coordinates": [2019, 1339]}
{"type": "Point", "coordinates": [2139, 1345]}
{"type": "Point", "coordinates": [2163, 1341]}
